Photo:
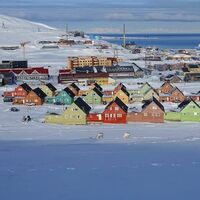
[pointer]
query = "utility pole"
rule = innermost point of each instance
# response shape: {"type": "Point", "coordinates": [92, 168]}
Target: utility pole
{"type": "Point", "coordinates": [66, 30]}
{"type": "Point", "coordinates": [124, 35]}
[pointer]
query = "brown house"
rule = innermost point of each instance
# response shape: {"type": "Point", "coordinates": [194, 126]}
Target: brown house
{"type": "Point", "coordinates": [152, 112]}
{"type": "Point", "coordinates": [35, 97]}
{"type": "Point", "coordinates": [175, 95]}
{"type": "Point", "coordinates": [165, 88]}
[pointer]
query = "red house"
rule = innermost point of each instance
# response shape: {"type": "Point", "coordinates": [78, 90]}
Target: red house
{"type": "Point", "coordinates": [115, 112]}
{"type": "Point", "coordinates": [20, 93]}
{"type": "Point", "coordinates": [94, 118]}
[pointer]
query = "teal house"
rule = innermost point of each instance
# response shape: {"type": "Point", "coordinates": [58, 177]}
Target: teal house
{"type": "Point", "coordinates": [188, 111]}
{"type": "Point", "coordinates": [65, 97]}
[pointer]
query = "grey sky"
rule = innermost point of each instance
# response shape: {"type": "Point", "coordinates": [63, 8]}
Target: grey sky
{"type": "Point", "coordinates": [144, 15]}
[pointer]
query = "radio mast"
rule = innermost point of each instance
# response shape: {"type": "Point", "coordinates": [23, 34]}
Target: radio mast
{"type": "Point", "coordinates": [124, 35]}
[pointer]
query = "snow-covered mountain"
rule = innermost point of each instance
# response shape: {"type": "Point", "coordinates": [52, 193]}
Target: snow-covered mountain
{"type": "Point", "coordinates": [16, 24]}
{"type": "Point", "coordinates": [14, 31]}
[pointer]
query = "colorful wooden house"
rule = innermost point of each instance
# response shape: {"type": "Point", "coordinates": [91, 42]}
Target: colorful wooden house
{"type": "Point", "coordinates": [118, 88]}
{"type": "Point", "coordinates": [35, 97]}
{"type": "Point", "coordinates": [145, 87]}
{"type": "Point", "coordinates": [188, 111]}
{"type": "Point", "coordinates": [96, 85]}
{"type": "Point", "coordinates": [122, 94]}
{"type": "Point", "coordinates": [145, 92]}
{"type": "Point", "coordinates": [107, 99]}
{"type": "Point", "coordinates": [115, 112]}
{"type": "Point", "coordinates": [152, 111]}
{"type": "Point", "coordinates": [149, 94]}
{"type": "Point", "coordinates": [65, 97]}
{"type": "Point", "coordinates": [75, 114]}
{"type": "Point", "coordinates": [48, 89]}
{"type": "Point", "coordinates": [94, 96]}
{"type": "Point", "coordinates": [74, 88]}
{"type": "Point", "coordinates": [165, 88]}
{"type": "Point", "coordinates": [175, 95]}
{"type": "Point", "coordinates": [196, 96]}
{"type": "Point", "coordinates": [172, 78]}
{"type": "Point", "coordinates": [20, 93]}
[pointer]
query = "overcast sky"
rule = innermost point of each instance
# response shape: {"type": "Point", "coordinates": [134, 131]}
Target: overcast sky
{"type": "Point", "coordinates": [109, 15]}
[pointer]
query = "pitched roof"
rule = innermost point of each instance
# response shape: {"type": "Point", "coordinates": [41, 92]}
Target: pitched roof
{"type": "Point", "coordinates": [151, 88]}
{"type": "Point", "coordinates": [98, 87]}
{"type": "Point", "coordinates": [69, 92]}
{"type": "Point", "coordinates": [174, 89]}
{"type": "Point", "coordinates": [82, 105]}
{"type": "Point", "coordinates": [183, 104]}
{"type": "Point", "coordinates": [166, 82]}
{"type": "Point", "coordinates": [123, 89]}
{"type": "Point", "coordinates": [148, 102]}
{"type": "Point", "coordinates": [51, 87]}
{"type": "Point", "coordinates": [119, 102]}
{"type": "Point", "coordinates": [26, 87]}
{"type": "Point", "coordinates": [96, 90]}
{"type": "Point", "coordinates": [75, 86]}
{"type": "Point", "coordinates": [39, 93]}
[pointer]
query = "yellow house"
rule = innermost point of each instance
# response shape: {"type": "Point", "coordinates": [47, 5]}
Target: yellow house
{"type": "Point", "coordinates": [48, 89]}
{"type": "Point", "coordinates": [123, 95]}
{"type": "Point", "coordinates": [75, 114]}
{"type": "Point", "coordinates": [107, 98]}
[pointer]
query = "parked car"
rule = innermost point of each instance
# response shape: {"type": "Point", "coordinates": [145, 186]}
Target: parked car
{"type": "Point", "coordinates": [14, 109]}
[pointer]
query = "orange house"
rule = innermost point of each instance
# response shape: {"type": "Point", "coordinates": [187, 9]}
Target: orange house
{"type": "Point", "coordinates": [35, 97]}
{"type": "Point", "coordinates": [20, 93]}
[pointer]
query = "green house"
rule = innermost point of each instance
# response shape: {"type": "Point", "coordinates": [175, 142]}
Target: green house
{"type": "Point", "coordinates": [94, 96]}
{"type": "Point", "coordinates": [65, 97]}
{"type": "Point", "coordinates": [145, 88]}
{"type": "Point", "coordinates": [75, 114]}
{"type": "Point", "coordinates": [145, 92]}
{"type": "Point", "coordinates": [188, 111]}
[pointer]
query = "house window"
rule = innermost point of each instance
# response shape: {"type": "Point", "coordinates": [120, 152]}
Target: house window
{"type": "Point", "coordinates": [145, 114]}
{"type": "Point", "coordinates": [107, 115]}
{"type": "Point", "coordinates": [74, 109]}
{"type": "Point", "coordinates": [110, 108]}
{"type": "Point", "coordinates": [195, 113]}
{"type": "Point", "coordinates": [154, 108]}
{"type": "Point", "coordinates": [119, 115]}
{"type": "Point", "coordinates": [116, 108]}
{"type": "Point", "coordinates": [110, 115]}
